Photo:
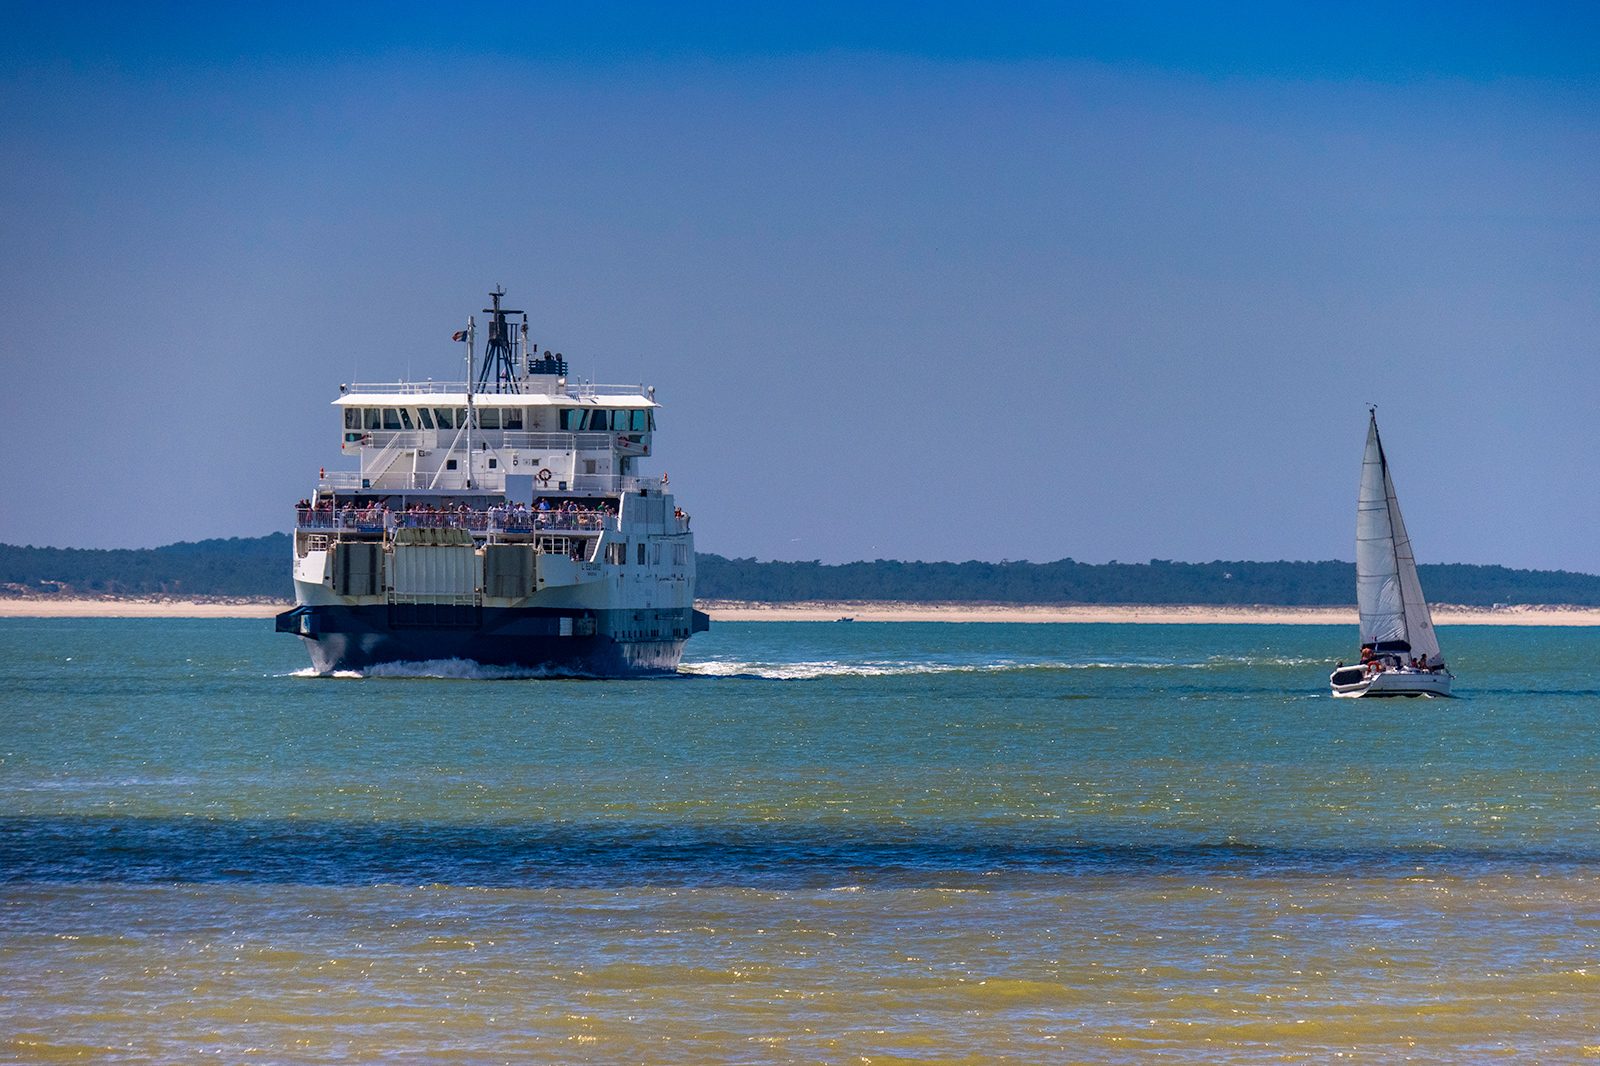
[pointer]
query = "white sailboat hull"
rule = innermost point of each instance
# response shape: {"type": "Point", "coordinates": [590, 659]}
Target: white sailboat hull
{"type": "Point", "coordinates": [1352, 682]}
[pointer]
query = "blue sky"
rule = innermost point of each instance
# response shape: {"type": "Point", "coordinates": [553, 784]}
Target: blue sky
{"type": "Point", "coordinates": [913, 282]}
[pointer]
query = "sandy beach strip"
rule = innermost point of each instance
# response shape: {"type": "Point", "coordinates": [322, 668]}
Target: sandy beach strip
{"type": "Point", "coordinates": [831, 611]}
{"type": "Point", "coordinates": [138, 607]}
{"type": "Point", "coordinates": [1444, 614]}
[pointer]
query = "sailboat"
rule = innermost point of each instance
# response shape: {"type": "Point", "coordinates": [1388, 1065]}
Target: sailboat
{"type": "Point", "coordinates": [1399, 648]}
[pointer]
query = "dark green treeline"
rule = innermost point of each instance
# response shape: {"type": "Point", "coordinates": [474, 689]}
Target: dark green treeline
{"type": "Point", "coordinates": [259, 567]}
{"type": "Point", "coordinates": [239, 566]}
{"type": "Point", "coordinates": [1158, 581]}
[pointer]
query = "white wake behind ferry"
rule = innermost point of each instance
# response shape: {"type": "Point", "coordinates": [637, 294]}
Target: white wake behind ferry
{"type": "Point", "coordinates": [502, 519]}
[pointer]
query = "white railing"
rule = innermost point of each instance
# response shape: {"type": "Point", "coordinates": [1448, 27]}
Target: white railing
{"type": "Point", "coordinates": [494, 520]}
{"type": "Point", "coordinates": [409, 388]}
{"type": "Point", "coordinates": [576, 389]}
{"type": "Point", "coordinates": [564, 521]}
{"type": "Point", "coordinates": [399, 439]}
{"type": "Point", "coordinates": [405, 481]}
{"type": "Point", "coordinates": [583, 389]}
{"type": "Point", "coordinates": [402, 481]}
{"type": "Point", "coordinates": [375, 467]}
{"type": "Point", "coordinates": [553, 442]}
{"type": "Point", "coordinates": [611, 484]}
{"type": "Point", "coordinates": [341, 521]}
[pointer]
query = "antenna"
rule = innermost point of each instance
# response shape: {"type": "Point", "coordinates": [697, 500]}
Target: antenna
{"type": "Point", "coordinates": [499, 373]}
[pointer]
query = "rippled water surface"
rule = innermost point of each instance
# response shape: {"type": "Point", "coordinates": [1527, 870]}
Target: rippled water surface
{"type": "Point", "coordinates": [822, 842]}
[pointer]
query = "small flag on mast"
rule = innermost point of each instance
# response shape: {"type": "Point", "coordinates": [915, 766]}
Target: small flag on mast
{"type": "Point", "coordinates": [459, 335]}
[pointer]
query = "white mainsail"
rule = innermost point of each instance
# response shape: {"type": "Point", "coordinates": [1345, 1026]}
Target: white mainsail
{"type": "Point", "coordinates": [1388, 593]}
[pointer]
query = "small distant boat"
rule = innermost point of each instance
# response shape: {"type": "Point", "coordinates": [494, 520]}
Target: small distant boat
{"type": "Point", "coordinates": [846, 618]}
{"type": "Point", "coordinates": [1399, 648]}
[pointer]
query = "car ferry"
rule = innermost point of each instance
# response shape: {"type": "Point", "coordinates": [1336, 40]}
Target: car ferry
{"type": "Point", "coordinates": [503, 519]}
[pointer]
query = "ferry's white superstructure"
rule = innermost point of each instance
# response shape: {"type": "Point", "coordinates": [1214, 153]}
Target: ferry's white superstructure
{"type": "Point", "coordinates": [501, 519]}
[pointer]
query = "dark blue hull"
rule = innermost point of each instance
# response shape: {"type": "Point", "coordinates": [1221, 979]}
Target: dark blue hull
{"type": "Point", "coordinates": [619, 643]}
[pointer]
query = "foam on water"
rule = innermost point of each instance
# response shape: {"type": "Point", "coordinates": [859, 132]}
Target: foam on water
{"type": "Point", "coordinates": [445, 670]}
{"type": "Point", "coordinates": [804, 671]}
{"type": "Point", "coordinates": [799, 670]}
{"type": "Point", "coordinates": [468, 670]}
{"type": "Point", "coordinates": [1263, 660]}
{"type": "Point", "coordinates": [827, 668]}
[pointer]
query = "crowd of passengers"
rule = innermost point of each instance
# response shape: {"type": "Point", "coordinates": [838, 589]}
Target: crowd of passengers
{"type": "Point", "coordinates": [509, 517]}
{"type": "Point", "coordinates": [1376, 663]}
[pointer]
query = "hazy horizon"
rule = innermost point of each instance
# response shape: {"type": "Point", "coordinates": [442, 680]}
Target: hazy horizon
{"type": "Point", "coordinates": [884, 559]}
{"type": "Point", "coordinates": [931, 283]}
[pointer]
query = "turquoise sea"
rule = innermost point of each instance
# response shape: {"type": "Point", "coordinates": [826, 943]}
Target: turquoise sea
{"type": "Point", "coordinates": [823, 842]}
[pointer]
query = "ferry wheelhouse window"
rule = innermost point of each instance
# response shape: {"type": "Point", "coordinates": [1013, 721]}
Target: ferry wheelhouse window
{"type": "Point", "coordinates": [444, 417]}
{"type": "Point", "coordinates": [512, 418]}
{"type": "Point", "coordinates": [405, 418]}
{"type": "Point", "coordinates": [371, 418]}
{"type": "Point", "coordinates": [577, 419]}
{"type": "Point", "coordinates": [425, 417]}
{"type": "Point", "coordinates": [352, 418]}
{"type": "Point", "coordinates": [391, 418]}
{"type": "Point", "coordinates": [489, 417]}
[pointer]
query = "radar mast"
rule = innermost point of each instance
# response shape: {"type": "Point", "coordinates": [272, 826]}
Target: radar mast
{"type": "Point", "coordinates": [499, 371]}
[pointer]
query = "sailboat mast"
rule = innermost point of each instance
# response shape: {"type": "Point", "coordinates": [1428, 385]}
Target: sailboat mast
{"type": "Point", "coordinates": [1392, 505]}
